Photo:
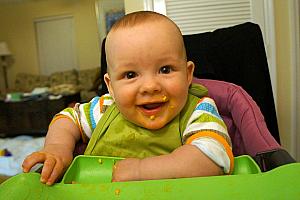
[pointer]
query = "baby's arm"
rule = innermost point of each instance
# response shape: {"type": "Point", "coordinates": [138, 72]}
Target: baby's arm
{"type": "Point", "coordinates": [185, 161]}
{"type": "Point", "coordinates": [57, 153]}
{"type": "Point", "coordinates": [65, 130]}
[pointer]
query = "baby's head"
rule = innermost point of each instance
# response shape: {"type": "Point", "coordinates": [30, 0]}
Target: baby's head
{"type": "Point", "coordinates": [148, 72]}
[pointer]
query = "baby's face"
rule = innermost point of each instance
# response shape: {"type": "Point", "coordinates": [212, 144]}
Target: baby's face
{"type": "Point", "coordinates": [149, 76]}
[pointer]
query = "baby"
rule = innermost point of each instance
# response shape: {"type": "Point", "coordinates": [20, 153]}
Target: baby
{"type": "Point", "coordinates": [153, 116]}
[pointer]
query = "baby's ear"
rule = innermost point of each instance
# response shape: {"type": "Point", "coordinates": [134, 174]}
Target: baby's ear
{"type": "Point", "coordinates": [190, 66]}
{"type": "Point", "coordinates": [108, 84]}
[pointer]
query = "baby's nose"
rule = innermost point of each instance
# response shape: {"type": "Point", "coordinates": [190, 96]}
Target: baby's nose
{"type": "Point", "coordinates": [150, 85]}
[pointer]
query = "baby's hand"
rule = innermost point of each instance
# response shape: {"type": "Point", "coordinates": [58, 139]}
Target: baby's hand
{"type": "Point", "coordinates": [54, 166]}
{"type": "Point", "coordinates": [127, 170]}
{"type": "Point", "coordinates": [52, 169]}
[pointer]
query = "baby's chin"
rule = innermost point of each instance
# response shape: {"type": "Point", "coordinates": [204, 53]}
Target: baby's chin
{"type": "Point", "coordinates": [153, 124]}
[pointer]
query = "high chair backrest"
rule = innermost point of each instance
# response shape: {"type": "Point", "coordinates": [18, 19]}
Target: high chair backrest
{"type": "Point", "coordinates": [237, 56]}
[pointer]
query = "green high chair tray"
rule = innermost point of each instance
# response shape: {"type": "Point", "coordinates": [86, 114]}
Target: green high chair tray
{"type": "Point", "coordinates": [89, 177]}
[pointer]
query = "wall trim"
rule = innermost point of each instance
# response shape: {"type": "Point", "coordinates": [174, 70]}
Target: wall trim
{"type": "Point", "coordinates": [269, 21]}
{"type": "Point", "coordinates": [294, 10]}
{"type": "Point", "coordinates": [148, 5]}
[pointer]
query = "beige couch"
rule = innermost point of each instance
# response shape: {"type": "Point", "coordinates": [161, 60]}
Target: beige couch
{"type": "Point", "coordinates": [66, 82]}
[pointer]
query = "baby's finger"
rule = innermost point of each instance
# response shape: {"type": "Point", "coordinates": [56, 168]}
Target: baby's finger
{"type": "Point", "coordinates": [47, 169]}
{"type": "Point", "coordinates": [56, 172]}
{"type": "Point", "coordinates": [32, 159]}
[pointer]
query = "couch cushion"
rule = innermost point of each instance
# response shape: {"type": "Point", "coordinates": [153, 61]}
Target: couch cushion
{"type": "Point", "coordinates": [27, 82]}
{"type": "Point", "coordinates": [64, 89]}
{"type": "Point", "coordinates": [64, 77]}
{"type": "Point", "coordinates": [86, 78]}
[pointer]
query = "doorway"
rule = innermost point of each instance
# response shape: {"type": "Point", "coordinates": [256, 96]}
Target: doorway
{"type": "Point", "coordinates": [56, 44]}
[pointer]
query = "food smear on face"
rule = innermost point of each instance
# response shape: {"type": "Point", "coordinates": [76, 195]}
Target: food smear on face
{"type": "Point", "coordinates": [152, 117]}
{"type": "Point", "coordinates": [165, 98]}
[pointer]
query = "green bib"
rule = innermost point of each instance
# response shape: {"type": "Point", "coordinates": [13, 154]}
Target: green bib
{"type": "Point", "coordinates": [117, 137]}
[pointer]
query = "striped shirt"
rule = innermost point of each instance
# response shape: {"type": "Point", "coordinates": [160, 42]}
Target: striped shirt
{"type": "Point", "coordinates": [205, 128]}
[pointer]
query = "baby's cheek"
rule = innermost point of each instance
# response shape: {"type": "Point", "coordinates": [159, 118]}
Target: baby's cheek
{"type": "Point", "coordinates": [175, 106]}
{"type": "Point", "coordinates": [124, 103]}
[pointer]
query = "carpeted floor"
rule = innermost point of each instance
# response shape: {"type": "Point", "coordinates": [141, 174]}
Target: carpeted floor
{"type": "Point", "coordinates": [19, 147]}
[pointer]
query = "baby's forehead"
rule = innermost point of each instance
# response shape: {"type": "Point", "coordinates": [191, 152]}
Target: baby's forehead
{"type": "Point", "coordinates": [158, 33]}
{"type": "Point", "coordinates": [147, 27]}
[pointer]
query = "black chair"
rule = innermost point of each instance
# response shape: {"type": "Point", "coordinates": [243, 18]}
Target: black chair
{"type": "Point", "coordinates": [237, 55]}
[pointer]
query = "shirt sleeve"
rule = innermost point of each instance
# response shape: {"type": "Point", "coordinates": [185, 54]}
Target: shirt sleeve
{"type": "Point", "coordinates": [208, 132]}
{"type": "Point", "coordinates": [86, 115]}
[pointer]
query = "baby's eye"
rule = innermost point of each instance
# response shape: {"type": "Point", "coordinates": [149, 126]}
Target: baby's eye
{"type": "Point", "coordinates": [165, 70]}
{"type": "Point", "coordinates": [130, 75]}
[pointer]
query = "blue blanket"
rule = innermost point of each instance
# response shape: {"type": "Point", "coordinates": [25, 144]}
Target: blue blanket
{"type": "Point", "coordinates": [19, 147]}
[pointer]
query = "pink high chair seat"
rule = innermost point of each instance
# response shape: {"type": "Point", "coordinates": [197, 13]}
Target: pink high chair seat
{"type": "Point", "coordinates": [245, 122]}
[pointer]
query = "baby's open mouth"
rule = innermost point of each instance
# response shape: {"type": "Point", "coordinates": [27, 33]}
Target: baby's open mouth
{"type": "Point", "coordinates": [152, 110]}
{"type": "Point", "coordinates": [152, 106]}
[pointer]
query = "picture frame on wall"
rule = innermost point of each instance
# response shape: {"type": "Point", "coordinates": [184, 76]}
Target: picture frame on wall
{"type": "Point", "coordinates": [111, 17]}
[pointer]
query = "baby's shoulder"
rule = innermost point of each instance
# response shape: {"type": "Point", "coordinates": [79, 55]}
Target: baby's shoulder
{"type": "Point", "coordinates": [102, 102]}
